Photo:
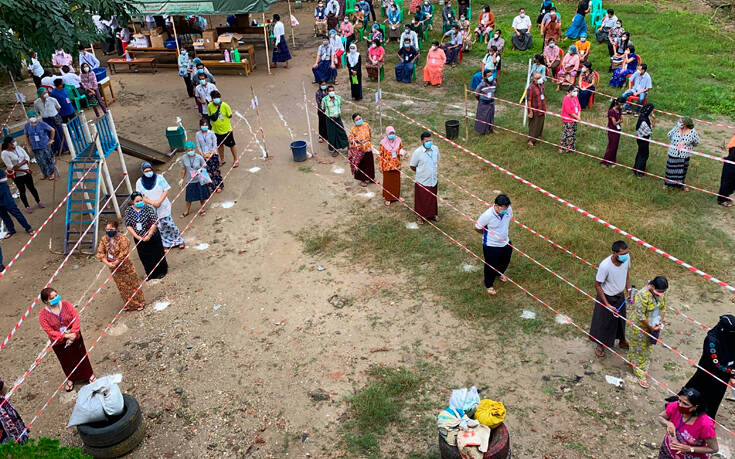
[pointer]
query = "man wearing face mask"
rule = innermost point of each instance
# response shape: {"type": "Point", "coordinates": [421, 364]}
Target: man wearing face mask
{"type": "Point", "coordinates": [199, 69]}
{"type": "Point", "coordinates": [320, 20]}
{"type": "Point", "coordinates": [425, 161]}
{"type": "Point", "coordinates": [332, 107]}
{"type": "Point", "coordinates": [612, 284]}
{"type": "Point", "coordinates": [522, 39]}
{"type": "Point", "coordinates": [333, 13]}
{"type": "Point", "coordinates": [608, 22]}
{"type": "Point", "coordinates": [36, 69]}
{"type": "Point", "coordinates": [325, 66]}
{"type": "Point", "coordinates": [411, 36]}
{"type": "Point", "coordinates": [220, 115]}
{"type": "Point", "coordinates": [494, 224]}
{"type": "Point", "coordinates": [86, 57]}
{"type": "Point", "coordinates": [407, 55]}
{"type": "Point", "coordinates": [454, 46]}
{"type": "Point", "coordinates": [321, 93]}
{"type": "Point", "coordinates": [61, 58]}
{"type": "Point", "coordinates": [536, 103]}
{"type": "Point", "coordinates": [203, 92]}
{"type": "Point", "coordinates": [40, 137]}
{"type": "Point", "coordinates": [48, 108]}
{"type": "Point", "coordinates": [448, 17]}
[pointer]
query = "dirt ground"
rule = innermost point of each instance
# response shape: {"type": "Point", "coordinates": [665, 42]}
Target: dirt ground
{"type": "Point", "coordinates": [245, 357]}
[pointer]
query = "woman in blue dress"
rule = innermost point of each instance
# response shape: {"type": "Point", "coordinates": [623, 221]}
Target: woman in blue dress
{"type": "Point", "coordinates": [630, 64]}
{"type": "Point", "coordinates": [579, 26]}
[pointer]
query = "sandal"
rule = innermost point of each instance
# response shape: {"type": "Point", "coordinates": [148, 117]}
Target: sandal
{"type": "Point", "coordinates": [643, 383]}
{"type": "Point", "coordinates": [726, 204]}
{"type": "Point", "coordinates": [492, 291]}
{"type": "Point", "coordinates": [8, 236]}
{"type": "Point", "coordinates": [202, 212]}
{"type": "Point", "coordinates": [503, 278]}
{"type": "Point", "coordinates": [387, 203]}
{"type": "Point", "coordinates": [92, 379]}
{"type": "Point", "coordinates": [599, 351]}
{"type": "Point", "coordinates": [69, 386]}
{"type": "Point", "coordinates": [363, 184]}
{"type": "Point", "coordinates": [185, 214]}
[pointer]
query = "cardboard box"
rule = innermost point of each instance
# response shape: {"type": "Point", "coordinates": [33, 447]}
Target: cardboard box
{"type": "Point", "coordinates": [226, 41]}
{"type": "Point", "coordinates": [140, 41]}
{"type": "Point", "coordinates": [210, 35]}
{"type": "Point", "coordinates": [157, 40]}
{"type": "Point", "coordinates": [198, 44]}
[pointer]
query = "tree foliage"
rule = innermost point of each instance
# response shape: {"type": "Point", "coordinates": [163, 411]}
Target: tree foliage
{"type": "Point", "coordinates": [41, 25]}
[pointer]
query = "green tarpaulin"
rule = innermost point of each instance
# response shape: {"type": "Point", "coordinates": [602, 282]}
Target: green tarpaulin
{"type": "Point", "coordinates": [186, 7]}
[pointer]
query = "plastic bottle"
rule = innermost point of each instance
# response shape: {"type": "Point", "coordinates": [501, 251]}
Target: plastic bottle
{"type": "Point", "coordinates": [235, 55]}
{"type": "Point", "coordinates": [227, 56]}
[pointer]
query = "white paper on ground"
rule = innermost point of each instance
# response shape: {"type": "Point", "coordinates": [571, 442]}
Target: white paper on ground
{"type": "Point", "coordinates": [338, 170]}
{"type": "Point", "coordinates": [617, 382]}
{"type": "Point", "coordinates": [412, 225]}
{"type": "Point", "coordinates": [528, 314]}
{"type": "Point", "coordinates": [202, 246]}
{"type": "Point", "coordinates": [467, 267]}
{"type": "Point", "coordinates": [562, 319]}
{"type": "Point", "coordinates": [368, 194]}
{"type": "Point", "coordinates": [227, 204]}
{"type": "Point", "coordinates": [161, 305]}
{"type": "Point", "coordinates": [254, 169]}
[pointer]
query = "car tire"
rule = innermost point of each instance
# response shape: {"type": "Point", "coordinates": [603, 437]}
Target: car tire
{"type": "Point", "coordinates": [114, 430]}
{"type": "Point", "coordinates": [498, 448]}
{"type": "Point", "coordinates": [120, 449]}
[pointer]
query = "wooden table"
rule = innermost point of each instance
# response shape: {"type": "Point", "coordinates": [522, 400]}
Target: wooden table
{"type": "Point", "coordinates": [106, 83]}
{"type": "Point", "coordinates": [244, 64]}
{"type": "Point", "coordinates": [246, 51]}
{"type": "Point", "coordinates": [133, 50]}
{"type": "Point", "coordinates": [150, 61]}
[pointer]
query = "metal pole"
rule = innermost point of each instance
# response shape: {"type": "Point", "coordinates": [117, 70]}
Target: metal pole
{"type": "Point", "coordinates": [293, 39]}
{"type": "Point", "coordinates": [466, 116]}
{"type": "Point", "coordinates": [123, 166]}
{"type": "Point", "coordinates": [528, 81]}
{"type": "Point", "coordinates": [267, 53]}
{"type": "Point", "coordinates": [308, 119]}
{"type": "Point", "coordinates": [176, 37]}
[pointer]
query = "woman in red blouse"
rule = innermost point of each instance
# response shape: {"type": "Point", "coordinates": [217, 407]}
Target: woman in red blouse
{"type": "Point", "coordinates": [60, 321]}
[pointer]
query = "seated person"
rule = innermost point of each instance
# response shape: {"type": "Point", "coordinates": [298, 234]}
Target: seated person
{"type": "Point", "coordinates": [552, 57]}
{"type": "Point", "coordinates": [377, 34]}
{"type": "Point", "coordinates": [394, 22]}
{"type": "Point", "coordinates": [522, 39]}
{"type": "Point", "coordinates": [364, 6]}
{"type": "Point", "coordinates": [434, 69]}
{"type": "Point", "coordinates": [407, 56]}
{"type": "Point", "coordinates": [583, 47]}
{"type": "Point", "coordinates": [627, 67]}
{"type": "Point", "coordinates": [47, 81]}
{"type": "Point", "coordinates": [609, 21]}
{"type": "Point", "coordinates": [325, 66]}
{"type": "Point", "coordinates": [347, 30]}
{"type": "Point", "coordinates": [453, 46]}
{"type": "Point", "coordinates": [588, 81]}
{"type": "Point", "coordinates": [448, 18]}
{"type": "Point", "coordinates": [426, 14]}
{"type": "Point", "coordinates": [490, 66]}
{"type": "Point", "coordinates": [498, 43]}
{"type": "Point", "coordinates": [639, 84]}
{"type": "Point", "coordinates": [464, 26]}
{"type": "Point", "coordinates": [568, 69]}
{"type": "Point", "coordinates": [375, 60]}
{"type": "Point", "coordinates": [546, 5]}
{"type": "Point", "coordinates": [614, 38]}
{"type": "Point", "coordinates": [551, 29]}
{"type": "Point", "coordinates": [485, 24]}
{"type": "Point", "coordinates": [410, 35]}
{"type": "Point", "coordinates": [539, 67]}
{"type": "Point", "coordinates": [320, 19]}
{"type": "Point", "coordinates": [417, 25]}
{"type": "Point", "coordinates": [70, 78]}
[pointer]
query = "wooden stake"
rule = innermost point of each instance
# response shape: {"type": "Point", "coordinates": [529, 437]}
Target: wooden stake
{"type": "Point", "coordinates": [466, 116]}
{"type": "Point", "coordinates": [267, 53]}
{"type": "Point", "coordinates": [293, 39]}
{"type": "Point", "coordinates": [176, 37]}
{"type": "Point", "coordinates": [525, 91]}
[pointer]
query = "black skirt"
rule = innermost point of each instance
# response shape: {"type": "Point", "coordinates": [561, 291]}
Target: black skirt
{"type": "Point", "coordinates": [150, 253]}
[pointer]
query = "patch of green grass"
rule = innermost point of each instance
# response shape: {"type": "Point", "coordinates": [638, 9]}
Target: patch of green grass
{"type": "Point", "coordinates": [305, 169]}
{"type": "Point", "coordinates": [319, 242]}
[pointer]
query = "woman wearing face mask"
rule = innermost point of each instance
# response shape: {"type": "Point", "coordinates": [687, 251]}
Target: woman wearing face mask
{"type": "Point", "coordinates": [18, 162]}
{"type": "Point", "coordinates": [141, 221]}
{"type": "Point", "coordinates": [485, 25]}
{"type": "Point", "coordinates": [377, 35]}
{"type": "Point", "coordinates": [644, 129]}
{"type": "Point", "coordinates": [628, 67]}
{"type": "Point", "coordinates": [186, 67]}
{"type": "Point", "coordinates": [434, 68]}
{"type": "Point", "coordinates": [682, 139]}
{"type": "Point", "coordinates": [690, 433]}
{"type": "Point", "coordinates": [389, 162]}
{"type": "Point", "coordinates": [194, 174]}
{"type": "Point", "coordinates": [360, 153]}
{"type": "Point", "coordinates": [113, 251]}
{"type": "Point", "coordinates": [568, 69]}
{"type": "Point", "coordinates": [338, 50]}
{"type": "Point", "coordinates": [155, 189]}
{"type": "Point", "coordinates": [485, 95]}
{"type": "Point", "coordinates": [539, 67]}
{"type": "Point", "coordinates": [376, 59]}
{"type": "Point", "coordinates": [394, 23]}
{"type": "Point", "coordinates": [321, 93]}
{"type": "Point", "coordinates": [647, 312]}
{"type": "Point", "coordinates": [583, 47]}
{"type": "Point", "coordinates": [494, 225]}
{"type": "Point", "coordinates": [614, 118]}
{"type": "Point", "coordinates": [92, 89]}
{"type": "Point", "coordinates": [718, 357]}
{"type": "Point", "coordinates": [570, 114]}
{"type": "Point", "coordinates": [588, 81]}
{"type": "Point", "coordinates": [354, 72]}
{"type": "Point", "coordinates": [207, 145]}
{"type": "Point", "coordinates": [325, 65]}
{"type": "Point", "coordinates": [60, 320]}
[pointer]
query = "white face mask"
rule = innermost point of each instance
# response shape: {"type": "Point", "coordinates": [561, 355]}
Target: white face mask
{"type": "Point", "coordinates": [497, 35]}
{"type": "Point", "coordinates": [33, 119]}
{"type": "Point", "coordinates": [522, 15]}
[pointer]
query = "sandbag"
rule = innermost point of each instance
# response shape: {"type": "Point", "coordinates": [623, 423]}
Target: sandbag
{"type": "Point", "coordinates": [98, 400]}
{"type": "Point", "coordinates": [490, 413]}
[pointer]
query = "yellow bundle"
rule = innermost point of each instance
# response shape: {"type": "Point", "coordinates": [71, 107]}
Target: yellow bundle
{"type": "Point", "coordinates": [490, 413]}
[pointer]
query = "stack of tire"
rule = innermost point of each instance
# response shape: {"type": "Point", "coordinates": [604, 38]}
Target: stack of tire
{"type": "Point", "coordinates": [117, 435]}
{"type": "Point", "coordinates": [498, 447]}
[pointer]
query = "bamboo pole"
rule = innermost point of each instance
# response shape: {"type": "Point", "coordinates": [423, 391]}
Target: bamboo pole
{"type": "Point", "coordinates": [466, 116]}
{"type": "Point", "coordinates": [176, 37]}
{"type": "Point", "coordinates": [293, 39]}
{"type": "Point", "coordinates": [267, 53]}
{"type": "Point", "coordinates": [528, 81]}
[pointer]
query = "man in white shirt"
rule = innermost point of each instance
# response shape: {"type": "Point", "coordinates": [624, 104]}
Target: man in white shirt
{"type": "Point", "coordinates": [424, 162]}
{"type": "Point", "coordinates": [522, 39]}
{"type": "Point", "coordinates": [494, 225]}
{"type": "Point", "coordinates": [638, 86]}
{"type": "Point", "coordinates": [608, 22]}
{"type": "Point", "coordinates": [203, 93]}
{"type": "Point", "coordinates": [409, 34]}
{"type": "Point", "coordinates": [70, 78]}
{"type": "Point", "coordinates": [612, 284]}
{"type": "Point", "coordinates": [36, 69]}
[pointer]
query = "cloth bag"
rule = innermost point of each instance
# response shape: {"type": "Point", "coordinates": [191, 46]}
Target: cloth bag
{"type": "Point", "coordinates": [98, 400]}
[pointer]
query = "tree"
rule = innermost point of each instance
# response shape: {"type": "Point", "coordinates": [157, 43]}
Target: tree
{"type": "Point", "coordinates": [27, 25]}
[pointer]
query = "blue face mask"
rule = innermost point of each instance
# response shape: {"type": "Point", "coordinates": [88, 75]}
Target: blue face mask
{"type": "Point", "coordinates": [391, 136]}
{"type": "Point", "coordinates": [139, 204]}
{"type": "Point", "coordinates": [502, 212]}
{"type": "Point", "coordinates": [202, 82]}
{"type": "Point", "coordinates": [623, 258]}
{"type": "Point", "coordinates": [358, 122]}
{"type": "Point", "coordinates": [205, 128]}
{"type": "Point", "coordinates": [190, 153]}
{"type": "Point", "coordinates": [323, 87]}
{"type": "Point", "coordinates": [148, 174]}
{"type": "Point", "coordinates": [428, 144]}
{"type": "Point", "coordinates": [217, 100]}
{"type": "Point", "coordinates": [55, 300]}
{"type": "Point", "coordinates": [407, 45]}
{"type": "Point", "coordinates": [200, 70]}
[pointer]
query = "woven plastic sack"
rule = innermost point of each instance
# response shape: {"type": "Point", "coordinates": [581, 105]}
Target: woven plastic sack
{"type": "Point", "coordinates": [490, 413]}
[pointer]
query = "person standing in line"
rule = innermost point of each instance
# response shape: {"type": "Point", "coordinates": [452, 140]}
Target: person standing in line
{"type": "Point", "coordinates": [321, 93]}
{"type": "Point", "coordinates": [194, 174]}
{"type": "Point", "coordinates": [220, 115]}
{"type": "Point", "coordinates": [690, 432]}
{"type": "Point", "coordinates": [66, 109]}
{"type": "Point", "coordinates": [155, 189]}
{"type": "Point", "coordinates": [17, 160]}
{"type": "Point", "coordinates": [141, 221]}
{"type": "Point", "coordinates": [389, 162]}
{"type": "Point", "coordinates": [207, 145]}
{"type": "Point", "coordinates": [203, 93]}
{"type": "Point", "coordinates": [727, 179]}
{"type": "Point", "coordinates": [40, 137]}
{"type": "Point", "coordinates": [12, 426]}
{"type": "Point", "coordinates": [494, 224]}
{"type": "Point", "coordinates": [354, 72]}
{"type": "Point", "coordinates": [60, 320]}
{"type": "Point", "coordinates": [186, 67]}
{"type": "Point", "coordinates": [612, 284]}
{"type": "Point", "coordinates": [485, 95]}
{"type": "Point", "coordinates": [682, 139]}
{"type": "Point", "coordinates": [644, 129]}
{"type": "Point", "coordinates": [280, 49]}
{"type": "Point", "coordinates": [360, 153]}
{"type": "Point", "coordinates": [36, 69]}
{"type": "Point", "coordinates": [48, 108]}
{"type": "Point", "coordinates": [8, 208]}
{"type": "Point", "coordinates": [336, 135]}
{"type": "Point", "coordinates": [648, 310]}
{"type": "Point", "coordinates": [536, 108]}
{"type": "Point", "coordinates": [325, 65]}
{"type": "Point", "coordinates": [113, 251]}
{"type": "Point", "coordinates": [570, 114]}
{"type": "Point", "coordinates": [614, 118]}
{"type": "Point", "coordinates": [425, 162]}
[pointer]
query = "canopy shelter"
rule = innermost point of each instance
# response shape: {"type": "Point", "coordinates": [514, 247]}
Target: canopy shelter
{"type": "Point", "coordinates": [203, 8]}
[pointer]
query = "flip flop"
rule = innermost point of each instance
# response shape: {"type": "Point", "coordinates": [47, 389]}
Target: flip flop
{"type": "Point", "coordinates": [492, 291]}
{"type": "Point", "coordinates": [202, 213]}
{"type": "Point", "coordinates": [8, 236]}
{"type": "Point", "coordinates": [69, 386]}
{"type": "Point", "coordinates": [185, 214]}
{"type": "Point", "coordinates": [643, 383]}
{"type": "Point", "coordinates": [599, 352]}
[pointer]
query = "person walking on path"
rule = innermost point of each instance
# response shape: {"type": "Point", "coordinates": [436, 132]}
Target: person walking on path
{"type": "Point", "coordinates": [648, 310]}
{"type": "Point", "coordinates": [220, 115]}
{"type": "Point", "coordinates": [280, 48]}
{"type": "Point", "coordinates": [493, 224]}
{"type": "Point", "coordinates": [612, 284]}
{"type": "Point", "coordinates": [614, 118]}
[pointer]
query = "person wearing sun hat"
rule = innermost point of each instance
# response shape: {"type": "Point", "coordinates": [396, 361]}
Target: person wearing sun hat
{"type": "Point", "coordinates": [48, 109]}
{"type": "Point", "coordinates": [40, 137]}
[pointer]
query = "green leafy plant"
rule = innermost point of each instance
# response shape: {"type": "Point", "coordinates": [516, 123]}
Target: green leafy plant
{"type": "Point", "coordinates": [42, 448]}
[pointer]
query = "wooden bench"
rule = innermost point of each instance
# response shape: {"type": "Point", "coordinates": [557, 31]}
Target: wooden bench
{"type": "Point", "coordinates": [150, 61]}
{"type": "Point", "coordinates": [244, 64]}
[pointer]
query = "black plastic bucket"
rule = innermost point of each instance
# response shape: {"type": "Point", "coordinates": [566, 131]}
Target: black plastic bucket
{"type": "Point", "coordinates": [452, 129]}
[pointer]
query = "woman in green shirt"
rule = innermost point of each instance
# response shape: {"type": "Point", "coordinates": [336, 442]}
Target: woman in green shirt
{"type": "Point", "coordinates": [649, 308]}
